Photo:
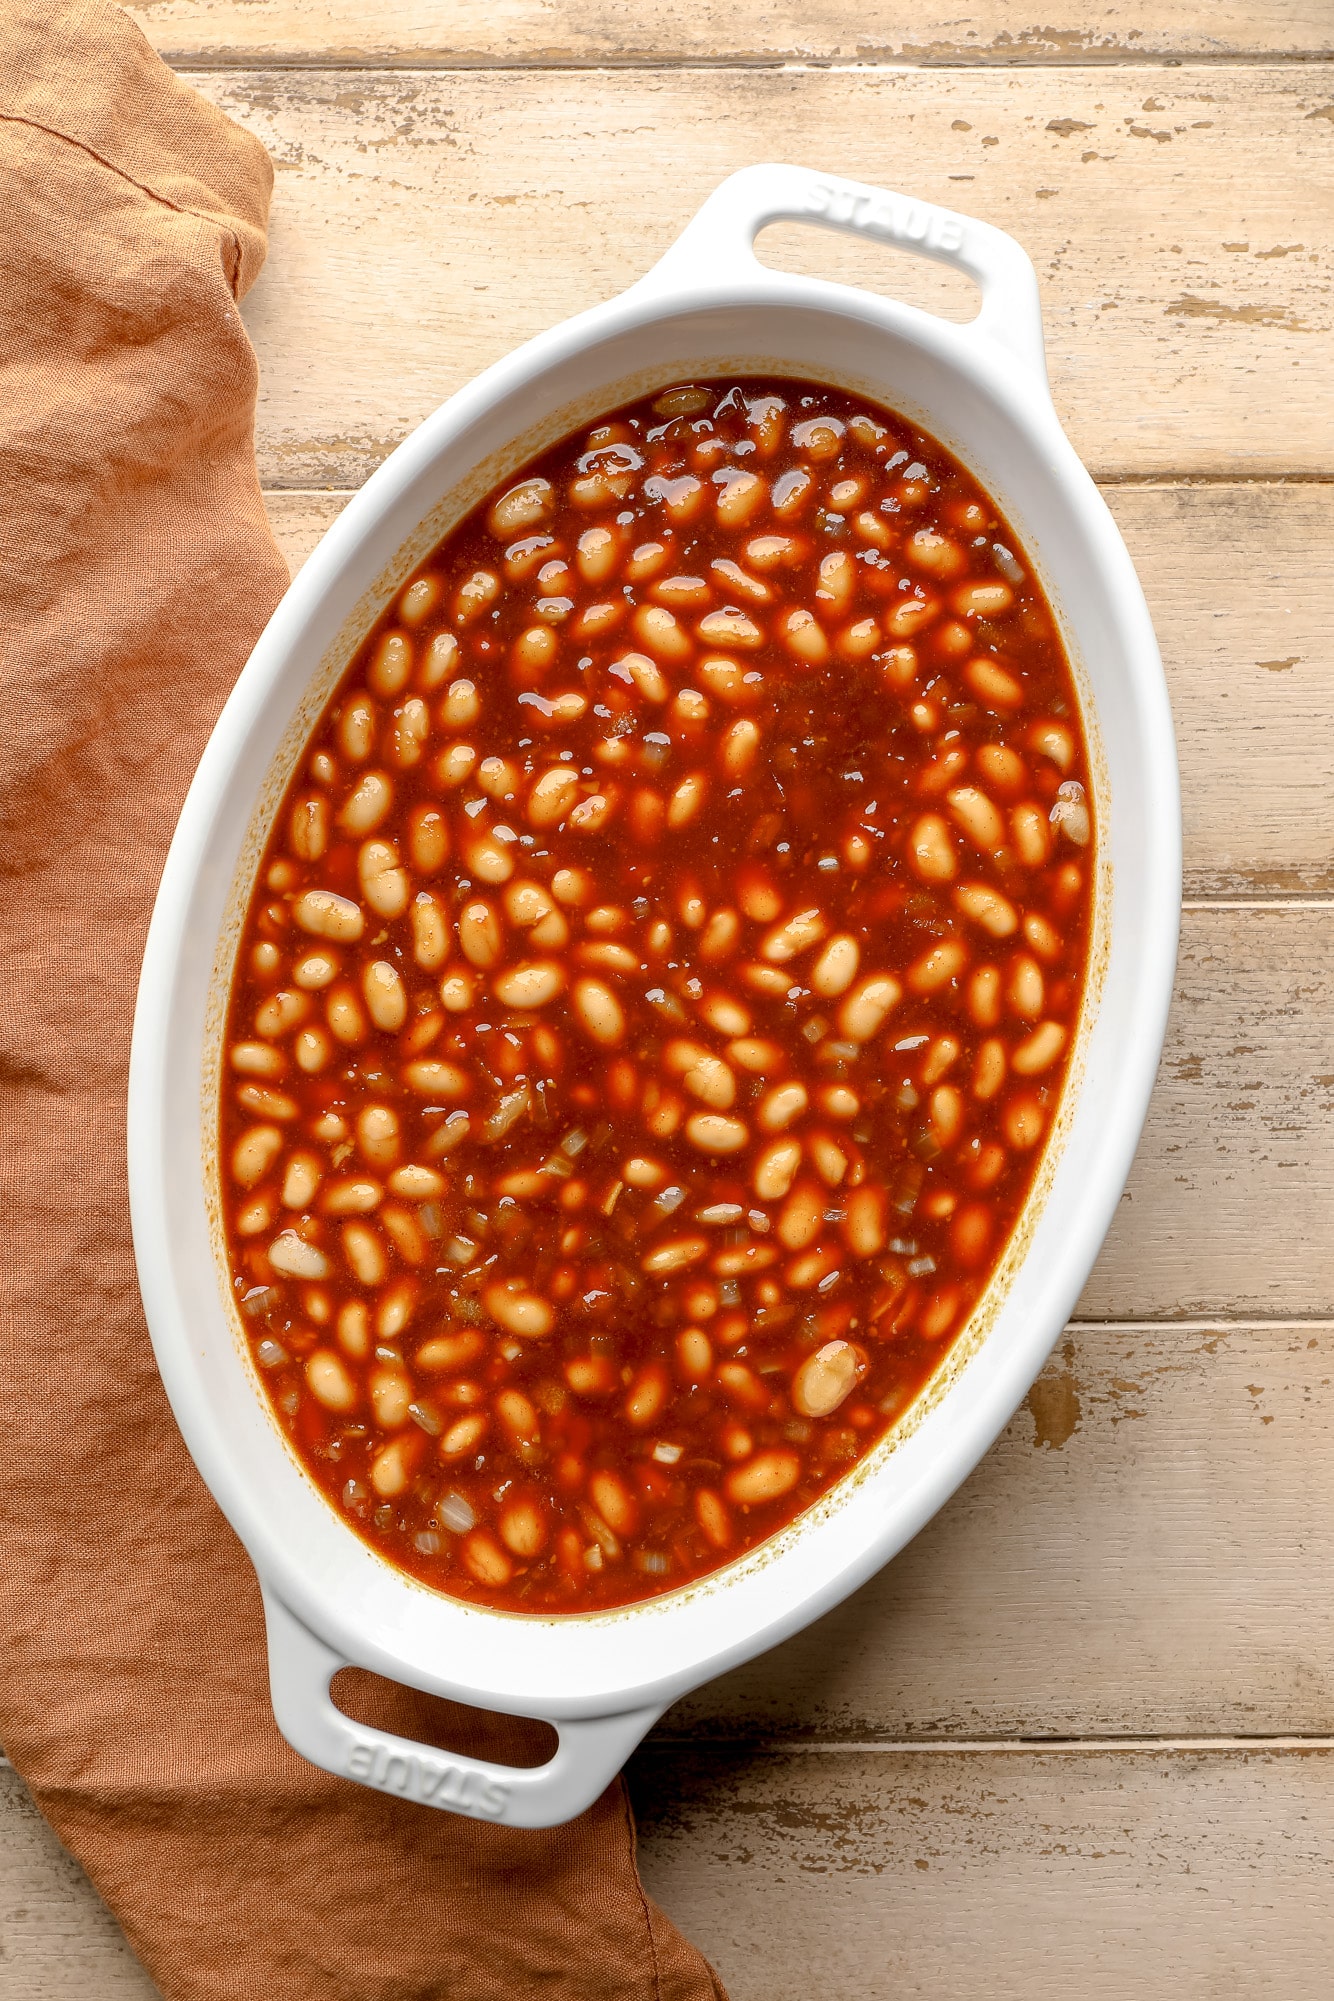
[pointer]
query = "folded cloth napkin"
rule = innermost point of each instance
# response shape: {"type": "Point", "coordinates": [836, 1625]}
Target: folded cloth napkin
{"type": "Point", "coordinates": [136, 571]}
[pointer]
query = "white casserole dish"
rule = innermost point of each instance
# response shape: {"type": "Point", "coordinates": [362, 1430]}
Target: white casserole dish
{"type": "Point", "coordinates": [708, 308]}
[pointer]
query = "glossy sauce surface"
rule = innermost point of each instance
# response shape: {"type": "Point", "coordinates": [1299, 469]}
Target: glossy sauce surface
{"type": "Point", "coordinates": [656, 996]}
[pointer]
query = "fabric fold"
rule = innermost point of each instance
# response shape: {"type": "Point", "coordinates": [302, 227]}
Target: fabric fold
{"type": "Point", "coordinates": [136, 571]}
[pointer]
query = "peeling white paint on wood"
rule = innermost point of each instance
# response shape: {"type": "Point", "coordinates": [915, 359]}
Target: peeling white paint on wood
{"type": "Point", "coordinates": [485, 33]}
{"type": "Point", "coordinates": [1143, 1554]}
{"type": "Point", "coordinates": [1132, 1560]}
{"type": "Point", "coordinates": [424, 224]}
{"type": "Point", "coordinates": [1024, 1876]}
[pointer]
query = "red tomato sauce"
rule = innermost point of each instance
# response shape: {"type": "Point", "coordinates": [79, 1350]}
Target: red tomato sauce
{"type": "Point", "coordinates": [656, 996]}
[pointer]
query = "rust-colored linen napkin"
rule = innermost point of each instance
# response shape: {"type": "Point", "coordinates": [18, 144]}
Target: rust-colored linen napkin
{"type": "Point", "coordinates": [136, 570]}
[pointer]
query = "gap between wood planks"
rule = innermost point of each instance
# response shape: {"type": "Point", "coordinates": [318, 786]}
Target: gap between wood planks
{"type": "Point", "coordinates": [947, 1747]}
{"type": "Point", "coordinates": [787, 1747]}
{"type": "Point", "coordinates": [184, 61]}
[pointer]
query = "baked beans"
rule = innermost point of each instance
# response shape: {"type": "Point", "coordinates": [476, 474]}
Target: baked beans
{"type": "Point", "coordinates": [656, 995]}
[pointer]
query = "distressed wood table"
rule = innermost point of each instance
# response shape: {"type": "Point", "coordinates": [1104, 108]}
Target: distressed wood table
{"type": "Point", "coordinates": [1081, 1734]}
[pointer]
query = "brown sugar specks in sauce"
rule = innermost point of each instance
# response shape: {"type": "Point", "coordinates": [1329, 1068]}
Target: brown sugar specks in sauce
{"type": "Point", "coordinates": [656, 995]}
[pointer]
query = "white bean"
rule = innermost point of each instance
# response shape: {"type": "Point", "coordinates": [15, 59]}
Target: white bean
{"type": "Point", "coordinates": [312, 1050]}
{"type": "Point", "coordinates": [377, 1135]}
{"type": "Point", "coordinates": [386, 998]}
{"type": "Point", "coordinates": [384, 884]}
{"type": "Point", "coordinates": [826, 1378]}
{"type": "Point", "coordinates": [710, 1080]}
{"type": "Point", "coordinates": [295, 1258]}
{"type": "Point", "coordinates": [282, 1011]}
{"type": "Point", "coordinates": [864, 1229]}
{"type": "Point", "coordinates": [389, 671]}
{"type": "Point", "coordinates": [462, 705]}
{"type": "Point", "coordinates": [598, 1012]}
{"type": "Point", "coordinates": [551, 798]}
{"type": "Point", "coordinates": [417, 1184]}
{"type": "Point", "coordinates": [430, 932]}
{"type": "Point", "coordinates": [432, 1078]}
{"type": "Point", "coordinates": [1039, 1050]}
{"type": "Point", "coordinates": [367, 804]}
{"type": "Point", "coordinates": [308, 834]}
{"type": "Point", "coordinates": [530, 985]}
{"type": "Point", "coordinates": [411, 733]}
{"type": "Point", "coordinates": [987, 907]}
{"type": "Point", "coordinates": [342, 1011]}
{"type": "Point", "coordinates": [781, 1104]}
{"type": "Point", "coordinates": [488, 859]}
{"type": "Point", "coordinates": [794, 935]}
{"type": "Point", "coordinates": [518, 1311]}
{"type": "Point", "coordinates": [866, 1009]}
{"type": "Point", "coordinates": [315, 970]}
{"type": "Point", "coordinates": [454, 765]}
{"type": "Point", "coordinates": [725, 1015]}
{"type": "Point", "coordinates": [687, 799]}
{"type": "Point", "coordinates": [712, 1133]}
{"type": "Point", "coordinates": [766, 1477]}
{"type": "Point", "coordinates": [326, 915]}
{"type": "Point", "coordinates": [775, 1169]}
{"type": "Point", "coordinates": [480, 935]}
{"type": "Point", "coordinates": [356, 730]}
{"type": "Point", "coordinates": [978, 817]}
{"type": "Point", "coordinates": [836, 968]}
{"type": "Point", "coordinates": [254, 1154]}
{"type": "Point", "coordinates": [739, 747]}
{"type": "Point", "coordinates": [301, 1181]}
{"type": "Point", "coordinates": [329, 1382]}
{"type": "Point", "coordinates": [522, 508]}
{"type": "Point", "coordinates": [436, 668]}
{"type": "Point", "coordinates": [418, 600]}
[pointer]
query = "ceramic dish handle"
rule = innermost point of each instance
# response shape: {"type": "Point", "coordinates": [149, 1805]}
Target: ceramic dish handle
{"type": "Point", "coordinates": [722, 235]}
{"type": "Point", "coordinates": [590, 1753]}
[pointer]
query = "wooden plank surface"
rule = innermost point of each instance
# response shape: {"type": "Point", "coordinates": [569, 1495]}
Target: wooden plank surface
{"type": "Point", "coordinates": [1126, 1875]}
{"type": "Point", "coordinates": [1134, 1559]}
{"type": "Point", "coordinates": [1141, 1558]}
{"type": "Point", "coordinates": [1238, 581]}
{"type": "Point", "coordinates": [1152, 1875]}
{"type": "Point", "coordinates": [1227, 1206]}
{"type": "Point", "coordinates": [58, 1941]}
{"type": "Point", "coordinates": [1181, 224]}
{"type": "Point", "coordinates": [471, 33]}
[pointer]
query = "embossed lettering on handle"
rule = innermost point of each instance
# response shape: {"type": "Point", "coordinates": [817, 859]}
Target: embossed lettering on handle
{"type": "Point", "coordinates": [590, 1750]}
{"type": "Point", "coordinates": [433, 1781]}
{"type": "Point", "coordinates": [716, 250]}
{"type": "Point", "coordinates": [894, 218]}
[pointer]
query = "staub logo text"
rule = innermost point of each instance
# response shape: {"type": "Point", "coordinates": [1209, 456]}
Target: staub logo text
{"type": "Point", "coordinates": [893, 216]}
{"type": "Point", "coordinates": [433, 1781]}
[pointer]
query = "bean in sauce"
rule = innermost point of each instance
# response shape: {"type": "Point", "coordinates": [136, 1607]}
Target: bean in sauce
{"type": "Point", "coordinates": [656, 996]}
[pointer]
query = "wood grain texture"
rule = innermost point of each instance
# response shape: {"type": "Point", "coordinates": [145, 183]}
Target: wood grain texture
{"type": "Point", "coordinates": [424, 224]}
{"type": "Point", "coordinates": [58, 1941]}
{"type": "Point", "coordinates": [1238, 581]}
{"type": "Point", "coordinates": [1123, 1875]}
{"type": "Point", "coordinates": [1133, 1559]}
{"type": "Point", "coordinates": [1117, 1876]}
{"type": "Point", "coordinates": [488, 33]}
{"type": "Point", "coordinates": [1227, 1204]}
{"type": "Point", "coordinates": [1142, 1555]}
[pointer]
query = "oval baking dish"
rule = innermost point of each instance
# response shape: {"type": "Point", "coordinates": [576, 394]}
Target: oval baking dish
{"type": "Point", "coordinates": [708, 308]}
